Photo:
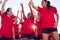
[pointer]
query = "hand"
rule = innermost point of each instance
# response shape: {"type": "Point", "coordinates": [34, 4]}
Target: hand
{"type": "Point", "coordinates": [55, 25]}
{"type": "Point", "coordinates": [29, 3]}
{"type": "Point", "coordinates": [30, 0]}
{"type": "Point", "coordinates": [0, 2]}
{"type": "Point", "coordinates": [21, 4]}
{"type": "Point", "coordinates": [5, 0]}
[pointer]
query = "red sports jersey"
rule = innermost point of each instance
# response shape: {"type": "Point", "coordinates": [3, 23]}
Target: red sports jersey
{"type": "Point", "coordinates": [0, 24]}
{"type": "Point", "coordinates": [16, 29]}
{"type": "Point", "coordinates": [39, 28]}
{"type": "Point", "coordinates": [7, 22]}
{"type": "Point", "coordinates": [47, 16]}
{"type": "Point", "coordinates": [27, 27]}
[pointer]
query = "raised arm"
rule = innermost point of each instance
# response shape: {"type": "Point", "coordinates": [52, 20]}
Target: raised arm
{"type": "Point", "coordinates": [32, 11]}
{"type": "Point", "coordinates": [3, 6]}
{"type": "Point", "coordinates": [22, 9]}
{"type": "Point", "coordinates": [16, 17]}
{"type": "Point", "coordinates": [0, 2]}
{"type": "Point", "coordinates": [30, 7]}
{"type": "Point", "coordinates": [32, 4]}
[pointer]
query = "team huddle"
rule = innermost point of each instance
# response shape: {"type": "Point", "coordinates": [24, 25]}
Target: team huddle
{"type": "Point", "coordinates": [42, 26]}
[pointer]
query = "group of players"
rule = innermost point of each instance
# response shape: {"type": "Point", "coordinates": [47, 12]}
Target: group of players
{"type": "Point", "coordinates": [44, 27]}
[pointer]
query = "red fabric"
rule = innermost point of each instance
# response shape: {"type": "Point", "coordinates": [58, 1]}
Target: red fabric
{"type": "Point", "coordinates": [47, 16]}
{"type": "Point", "coordinates": [39, 28]}
{"type": "Point", "coordinates": [0, 24]}
{"type": "Point", "coordinates": [16, 29]}
{"type": "Point", "coordinates": [7, 22]}
{"type": "Point", "coordinates": [27, 26]}
{"type": "Point", "coordinates": [50, 34]}
{"type": "Point", "coordinates": [0, 12]}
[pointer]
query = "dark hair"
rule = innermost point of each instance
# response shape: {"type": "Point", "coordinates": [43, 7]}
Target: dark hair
{"type": "Point", "coordinates": [48, 4]}
{"type": "Point", "coordinates": [7, 11]}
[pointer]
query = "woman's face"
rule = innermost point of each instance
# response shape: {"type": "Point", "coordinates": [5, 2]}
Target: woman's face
{"type": "Point", "coordinates": [44, 3]}
{"type": "Point", "coordinates": [29, 15]}
{"type": "Point", "coordinates": [9, 12]}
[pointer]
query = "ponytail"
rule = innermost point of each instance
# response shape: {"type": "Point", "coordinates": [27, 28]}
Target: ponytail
{"type": "Point", "coordinates": [48, 4]}
{"type": "Point", "coordinates": [7, 11]}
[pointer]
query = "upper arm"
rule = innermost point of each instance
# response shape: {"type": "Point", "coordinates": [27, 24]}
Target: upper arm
{"type": "Point", "coordinates": [35, 7]}
{"type": "Point", "coordinates": [55, 10]}
{"type": "Point", "coordinates": [3, 6]}
{"type": "Point", "coordinates": [56, 13]}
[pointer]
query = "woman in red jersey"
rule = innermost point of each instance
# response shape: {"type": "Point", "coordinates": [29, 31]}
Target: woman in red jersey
{"type": "Point", "coordinates": [49, 24]}
{"type": "Point", "coordinates": [0, 23]}
{"type": "Point", "coordinates": [15, 28]}
{"type": "Point", "coordinates": [7, 22]}
{"type": "Point", "coordinates": [27, 26]}
{"type": "Point", "coordinates": [39, 27]}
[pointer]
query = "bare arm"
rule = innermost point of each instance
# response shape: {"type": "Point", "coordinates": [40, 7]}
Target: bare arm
{"type": "Point", "coordinates": [16, 17]}
{"type": "Point", "coordinates": [22, 10]}
{"type": "Point", "coordinates": [32, 11]}
{"type": "Point", "coordinates": [38, 18]}
{"type": "Point", "coordinates": [32, 4]}
{"type": "Point", "coordinates": [0, 2]}
{"type": "Point", "coordinates": [3, 6]}
{"type": "Point", "coordinates": [30, 7]}
{"type": "Point", "coordinates": [57, 20]}
{"type": "Point", "coordinates": [57, 17]}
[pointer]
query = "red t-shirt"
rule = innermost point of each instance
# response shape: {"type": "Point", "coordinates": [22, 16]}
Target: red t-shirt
{"type": "Point", "coordinates": [16, 29]}
{"type": "Point", "coordinates": [27, 26]}
{"type": "Point", "coordinates": [0, 12]}
{"type": "Point", "coordinates": [7, 22]}
{"type": "Point", "coordinates": [0, 24]}
{"type": "Point", "coordinates": [47, 16]}
{"type": "Point", "coordinates": [39, 28]}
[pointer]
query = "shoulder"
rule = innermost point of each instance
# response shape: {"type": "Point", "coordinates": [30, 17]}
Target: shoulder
{"type": "Point", "coordinates": [53, 7]}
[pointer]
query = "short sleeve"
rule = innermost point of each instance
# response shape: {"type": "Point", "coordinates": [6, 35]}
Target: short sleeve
{"type": "Point", "coordinates": [13, 16]}
{"type": "Point", "coordinates": [55, 10]}
{"type": "Point", "coordinates": [39, 9]}
{"type": "Point", "coordinates": [25, 18]}
{"type": "Point", "coordinates": [2, 14]}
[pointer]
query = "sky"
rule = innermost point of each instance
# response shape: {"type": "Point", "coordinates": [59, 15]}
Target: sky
{"type": "Point", "coordinates": [15, 5]}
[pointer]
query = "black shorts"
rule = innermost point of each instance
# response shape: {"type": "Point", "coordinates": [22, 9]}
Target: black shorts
{"type": "Point", "coordinates": [39, 37]}
{"type": "Point", "coordinates": [49, 30]}
{"type": "Point", "coordinates": [4, 38]}
{"type": "Point", "coordinates": [17, 37]}
{"type": "Point", "coordinates": [50, 36]}
{"type": "Point", "coordinates": [30, 36]}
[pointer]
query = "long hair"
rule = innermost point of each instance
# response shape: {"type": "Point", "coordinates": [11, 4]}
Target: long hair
{"type": "Point", "coordinates": [7, 11]}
